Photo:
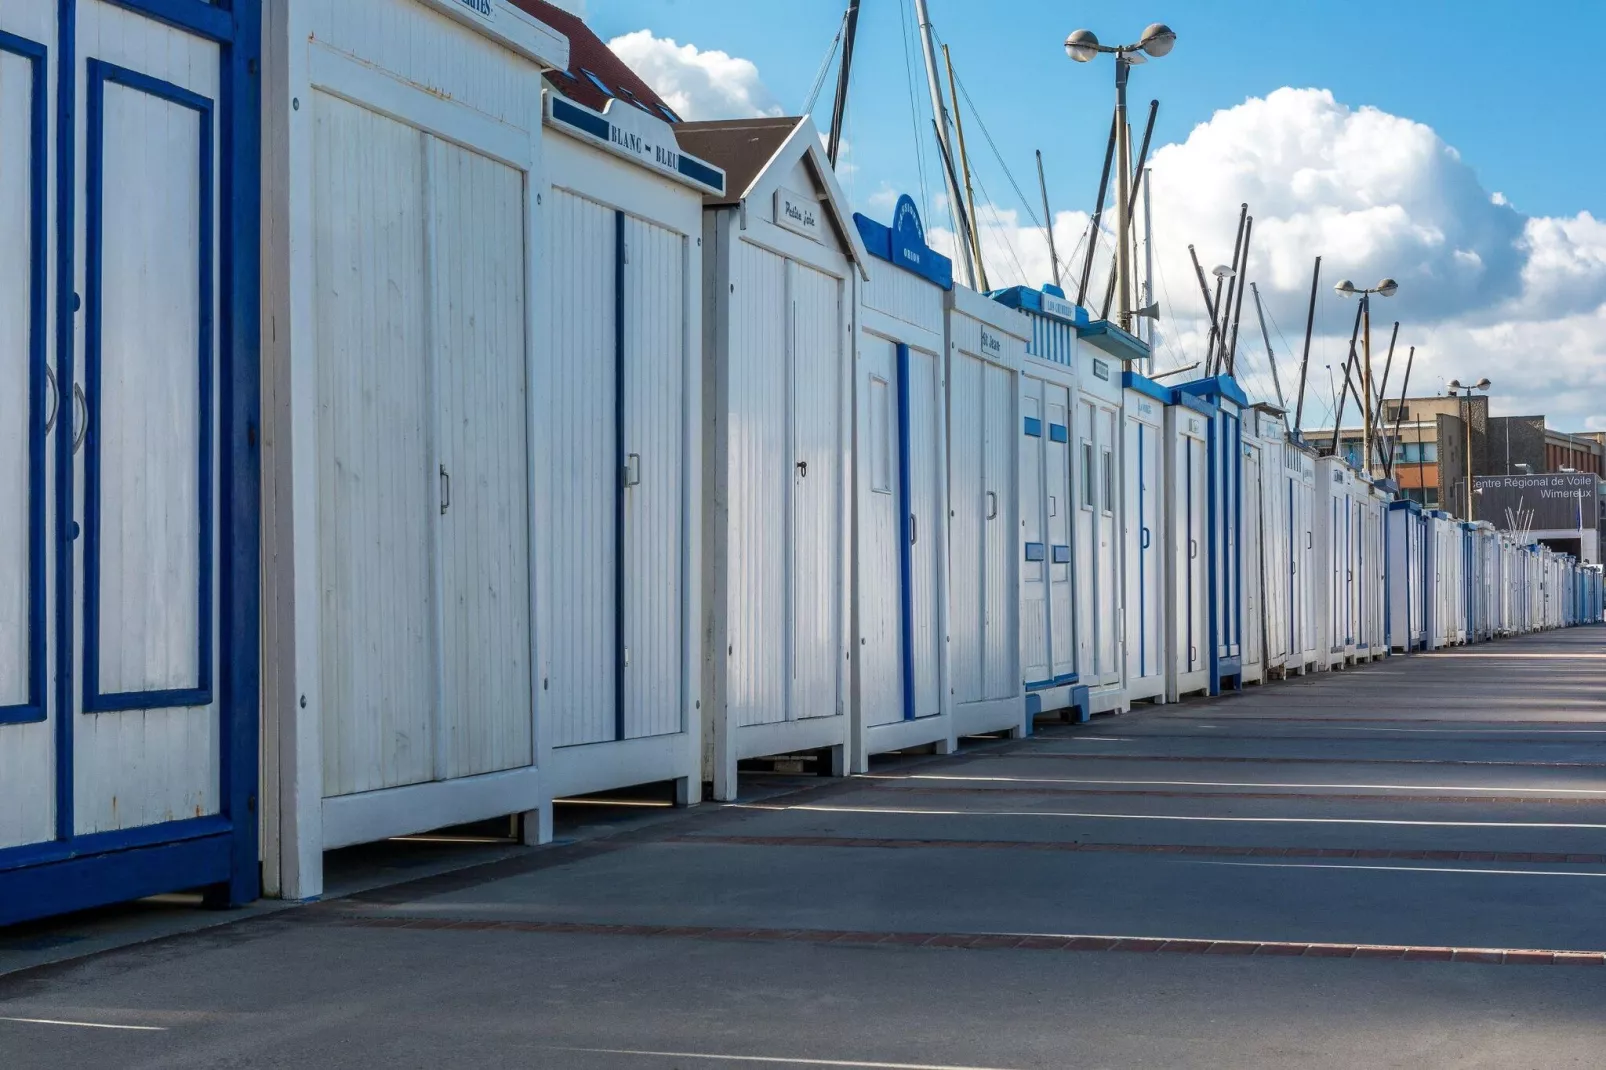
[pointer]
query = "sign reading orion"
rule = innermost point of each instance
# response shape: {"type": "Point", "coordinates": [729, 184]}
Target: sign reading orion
{"type": "Point", "coordinates": [909, 248]}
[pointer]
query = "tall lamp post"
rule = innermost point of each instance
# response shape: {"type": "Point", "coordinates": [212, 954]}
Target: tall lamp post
{"type": "Point", "coordinates": [1465, 392]}
{"type": "Point", "coordinates": [1083, 46]}
{"type": "Point", "coordinates": [1386, 288]}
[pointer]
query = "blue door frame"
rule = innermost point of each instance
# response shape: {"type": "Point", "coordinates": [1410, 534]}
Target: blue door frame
{"type": "Point", "coordinates": [216, 853]}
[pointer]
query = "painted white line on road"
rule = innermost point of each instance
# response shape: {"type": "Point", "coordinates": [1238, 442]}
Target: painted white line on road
{"type": "Point", "coordinates": [1232, 783]}
{"type": "Point", "coordinates": [87, 1025]}
{"type": "Point", "coordinates": [1401, 869]}
{"type": "Point", "coordinates": [778, 1060]}
{"type": "Point", "coordinates": [1176, 817]}
{"type": "Point", "coordinates": [1516, 730]}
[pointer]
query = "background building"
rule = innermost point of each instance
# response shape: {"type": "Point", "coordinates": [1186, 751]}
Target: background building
{"type": "Point", "coordinates": [1524, 473]}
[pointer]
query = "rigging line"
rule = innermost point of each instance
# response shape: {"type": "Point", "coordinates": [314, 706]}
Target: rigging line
{"type": "Point", "coordinates": [825, 65]}
{"type": "Point", "coordinates": [999, 236]}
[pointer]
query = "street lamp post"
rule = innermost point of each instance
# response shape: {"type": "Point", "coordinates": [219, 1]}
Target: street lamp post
{"type": "Point", "coordinates": [1386, 288]}
{"type": "Point", "coordinates": [1465, 392]}
{"type": "Point", "coordinates": [1082, 46]}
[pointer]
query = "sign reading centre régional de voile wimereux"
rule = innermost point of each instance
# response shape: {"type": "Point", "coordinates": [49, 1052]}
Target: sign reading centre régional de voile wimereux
{"type": "Point", "coordinates": [1553, 501]}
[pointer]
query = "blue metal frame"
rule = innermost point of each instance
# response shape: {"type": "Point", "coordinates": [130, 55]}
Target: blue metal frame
{"type": "Point", "coordinates": [906, 605]}
{"type": "Point", "coordinates": [37, 55]}
{"type": "Point", "coordinates": [99, 74]}
{"type": "Point", "coordinates": [217, 853]}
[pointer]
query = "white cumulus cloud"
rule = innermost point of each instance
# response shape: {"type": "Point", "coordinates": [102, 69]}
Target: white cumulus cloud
{"type": "Point", "coordinates": [698, 84]}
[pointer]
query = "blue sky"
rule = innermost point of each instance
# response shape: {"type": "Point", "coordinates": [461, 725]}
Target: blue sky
{"type": "Point", "coordinates": [1530, 124]}
{"type": "Point", "coordinates": [1404, 140]}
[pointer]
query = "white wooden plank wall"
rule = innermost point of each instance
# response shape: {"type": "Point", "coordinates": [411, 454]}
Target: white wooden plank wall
{"type": "Point", "coordinates": [1000, 646]}
{"type": "Point", "coordinates": [138, 767]}
{"type": "Point", "coordinates": [967, 531]}
{"type": "Point", "coordinates": [16, 355]}
{"type": "Point", "coordinates": [1061, 491]}
{"type": "Point", "coordinates": [655, 509]}
{"type": "Point", "coordinates": [478, 329]}
{"type": "Point", "coordinates": [879, 527]}
{"type": "Point", "coordinates": [905, 296]}
{"type": "Point", "coordinates": [817, 649]}
{"type": "Point", "coordinates": [27, 752]}
{"type": "Point", "coordinates": [377, 487]}
{"type": "Point", "coordinates": [1036, 654]}
{"type": "Point", "coordinates": [925, 555]}
{"type": "Point", "coordinates": [584, 473]}
{"type": "Point", "coordinates": [429, 50]}
{"type": "Point", "coordinates": [760, 468]}
{"type": "Point", "coordinates": [148, 411]}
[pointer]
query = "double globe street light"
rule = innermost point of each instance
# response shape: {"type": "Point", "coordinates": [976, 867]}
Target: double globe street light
{"type": "Point", "coordinates": [1082, 46]}
{"type": "Point", "coordinates": [1346, 288]}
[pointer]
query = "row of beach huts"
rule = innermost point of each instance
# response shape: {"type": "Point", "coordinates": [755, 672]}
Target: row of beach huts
{"type": "Point", "coordinates": [389, 442]}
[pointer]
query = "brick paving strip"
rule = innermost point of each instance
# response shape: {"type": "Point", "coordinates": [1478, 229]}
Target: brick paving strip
{"type": "Point", "coordinates": [997, 941]}
{"type": "Point", "coordinates": [1513, 857]}
{"type": "Point", "coordinates": [1491, 795]}
{"type": "Point", "coordinates": [1238, 759]}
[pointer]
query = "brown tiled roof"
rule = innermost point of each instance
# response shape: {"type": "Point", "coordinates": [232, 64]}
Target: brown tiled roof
{"type": "Point", "coordinates": [587, 52]}
{"type": "Point", "coordinates": [741, 146]}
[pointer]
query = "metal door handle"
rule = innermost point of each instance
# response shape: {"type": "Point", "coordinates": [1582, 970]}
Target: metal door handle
{"type": "Point", "coordinates": [914, 530]}
{"type": "Point", "coordinates": [1144, 544]}
{"type": "Point", "coordinates": [55, 399]}
{"type": "Point", "coordinates": [80, 428]}
{"type": "Point", "coordinates": [446, 490]}
{"type": "Point", "coordinates": [1193, 549]}
{"type": "Point", "coordinates": [632, 469]}
{"type": "Point", "coordinates": [992, 507]}
{"type": "Point", "coordinates": [803, 469]}
{"type": "Point", "coordinates": [1053, 506]}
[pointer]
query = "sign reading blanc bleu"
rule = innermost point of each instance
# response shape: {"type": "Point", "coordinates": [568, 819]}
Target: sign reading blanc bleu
{"type": "Point", "coordinates": [627, 131]}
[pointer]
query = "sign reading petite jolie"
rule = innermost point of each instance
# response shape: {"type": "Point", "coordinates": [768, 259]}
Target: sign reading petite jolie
{"type": "Point", "coordinates": [798, 212]}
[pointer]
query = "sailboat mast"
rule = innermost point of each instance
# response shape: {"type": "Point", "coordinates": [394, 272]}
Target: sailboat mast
{"type": "Point", "coordinates": [1048, 219]}
{"type": "Point", "coordinates": [964, 167]}
{"type": "Point", "coordinates": [839, 106]}
{"type": "Point", "coordinates": [940, 114]}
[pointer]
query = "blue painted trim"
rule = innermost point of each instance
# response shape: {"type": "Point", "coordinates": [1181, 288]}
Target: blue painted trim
{"type": "Point", "coordinates": [240, 414]}
{"type": "Point", "coordinates": [97, 880]}
{"type": "Point", "coordinates": [1062, 554]}
{"type": "Point", "coordinates": [1118, 343]}
{"type": "Point", "coordinates": [700, 172]}
{"type": "Point", "coordinates": [1035, 551]}
{"type": "Point", "coordinates": [903, 244]}
{"type": "Point", "coordinates": [1197, 404]}
{"type": "Point", "coordinates": [194, 16]}
{"type": "Point", "coordinates": [1216, 386]}
{"type": "Point", "coordinates": [1143, 385]}
{"type": "Point", "coordinates": [116, 840]}
{"type": "Point", "coordinates": [66, 247]}
{"type": "Point", "coordinates": [1038, 685]}
{"type": "Point", "coordinates": [33, 707]}
{"type": "Point", "coordinates": [1058, 433]}
{"type": "Point", "coordinates": [99, 74]}
{"type": "Point", "coordinates": [906, 607]}
{"type": "Point", "coordinates": [1034, 427]}
{"type": "Point", "coordinates": [1066, 678]}
{"type": "Point", "coordinates": [585, 120]}
{"type": "Point", "coordinates": [619, 489]}
{"type": "Point", "coordinates": [1043, 302]}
